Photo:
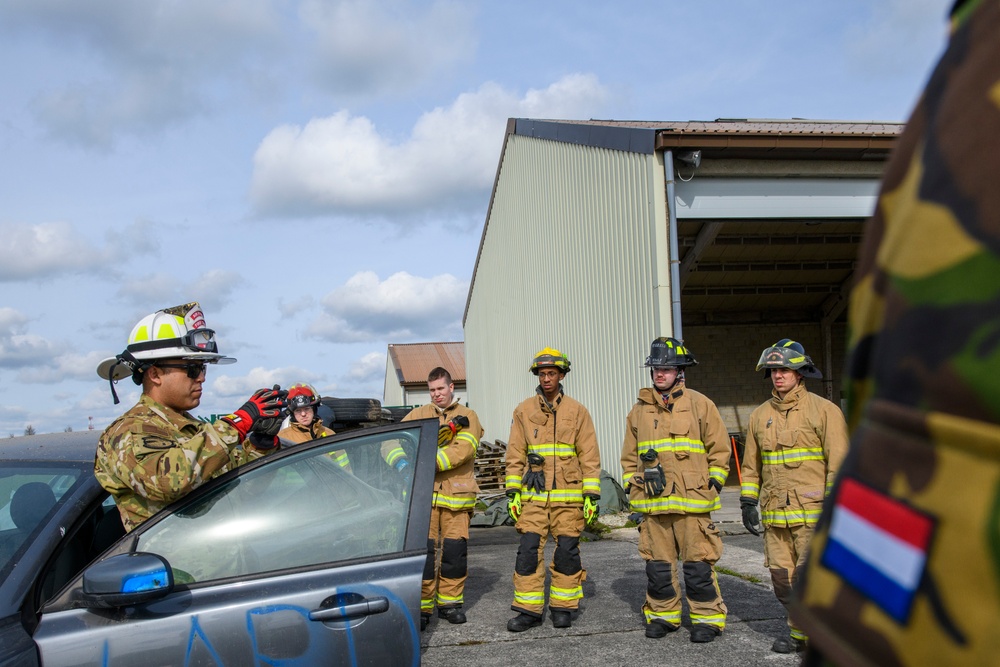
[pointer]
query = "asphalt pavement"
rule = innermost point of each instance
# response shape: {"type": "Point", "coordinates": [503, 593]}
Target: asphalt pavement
{"type": "Point", "coordinates": [609, 628]}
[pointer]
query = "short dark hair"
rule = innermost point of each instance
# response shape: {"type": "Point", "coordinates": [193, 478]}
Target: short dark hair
{"type": "Point", "coordinates": [439, 373]}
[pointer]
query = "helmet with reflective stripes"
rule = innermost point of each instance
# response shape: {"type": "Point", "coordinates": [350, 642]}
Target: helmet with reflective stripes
{"type": "Point", "coordinates": [178, 332]}
{"type": "Point", "coordinates": [550, 358]}
{"type": "Point", "coordinates": [669, 352]}
{"type": "Point", "coordinates": [787, 353]}
{"type": "Point", "coordinates": [302, 396]}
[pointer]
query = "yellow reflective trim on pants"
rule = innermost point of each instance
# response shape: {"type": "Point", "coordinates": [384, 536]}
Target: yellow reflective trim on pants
{"type": "Point", "coordinates": [426, 605]}
{"type": "Point", "coordinates": [574, 593]}
{"type": "Point", "coordinates": [529, 597]}
{"type": "Point", "coordinates": [671, 617]}
{"type": "Point", "coordinates": [798, 634]}
{"type": "Point", "coordinates": [450, 599]}
{"type": "Point", "coordinates": [716, 620]}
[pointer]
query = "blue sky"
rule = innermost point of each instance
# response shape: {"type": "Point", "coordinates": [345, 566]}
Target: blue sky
{"type": "Point", "coordinates": [316, 173]}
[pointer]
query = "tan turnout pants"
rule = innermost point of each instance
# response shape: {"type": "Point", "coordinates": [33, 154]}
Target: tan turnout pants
{"type": "Point", "coordinates": [447, 560]}
{"type": "Point", "coordinates": [565, 524]}
{"type": "Point", "coordinates": [784, 553]}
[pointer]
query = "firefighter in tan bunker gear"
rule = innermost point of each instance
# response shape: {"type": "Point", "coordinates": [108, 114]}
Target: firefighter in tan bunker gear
{"type": "Point", "coordinates": [553, 485]}
{"type": "Point", "coordinates": [675, 458]}
{"type": "Point", "coordinates": [453, 501]}
{"type": "Point", "coordinates": [305, 424]}
{"type": "Point", "coordinates": [794, 446]}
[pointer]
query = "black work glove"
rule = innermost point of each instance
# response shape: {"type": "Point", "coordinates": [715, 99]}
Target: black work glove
{"type": "Point", "coordinates": [264, 403]}
{"type": "Point", "coordinates": [715, 484]}
{"type": "Point", "coordinates": [263, 441]}
{"type": "Point", "coordinates": [751, 518]}
{"type": "Point", "coordinates": [654, 480]}
{"type": "Point", "coordinates": [534, 480]}
{"type": "Point", "coordinates": [448, 431]}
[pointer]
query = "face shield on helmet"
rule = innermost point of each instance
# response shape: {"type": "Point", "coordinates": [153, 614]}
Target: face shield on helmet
{"type": "Point", "coordinates": [550, 358]}
{"type": "Point", "coordinates": [178, 333]}
{"type": "Point", "coordinates": [787, 353]}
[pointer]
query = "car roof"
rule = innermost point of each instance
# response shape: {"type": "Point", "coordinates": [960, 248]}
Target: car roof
{"type": "Point", "coordinates": [76, 446]}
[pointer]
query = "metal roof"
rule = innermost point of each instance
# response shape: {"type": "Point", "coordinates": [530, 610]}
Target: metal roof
{"type": "Point", "coordinates": [414, 361]}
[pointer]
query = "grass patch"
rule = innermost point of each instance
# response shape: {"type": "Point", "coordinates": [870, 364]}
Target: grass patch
{"type": "Point", "coordinates": [739, 575]}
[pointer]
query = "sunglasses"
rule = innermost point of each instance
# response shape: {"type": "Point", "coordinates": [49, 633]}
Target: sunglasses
{"type": "Point", "coordinates": [194, 369]}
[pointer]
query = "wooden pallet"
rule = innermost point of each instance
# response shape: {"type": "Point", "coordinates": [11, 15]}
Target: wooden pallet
{"type": "Point", "coordinates": [491, 465]}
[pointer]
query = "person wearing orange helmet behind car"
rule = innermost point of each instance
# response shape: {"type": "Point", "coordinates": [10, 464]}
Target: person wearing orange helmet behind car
{"type": "Point", "coordinates": [157, 452]}
{"type": "Point", "coordinates": [304, 421]}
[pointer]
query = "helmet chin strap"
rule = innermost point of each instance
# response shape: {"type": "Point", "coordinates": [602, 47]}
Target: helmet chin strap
{"type": "Point", "coordinates": [130, 362]}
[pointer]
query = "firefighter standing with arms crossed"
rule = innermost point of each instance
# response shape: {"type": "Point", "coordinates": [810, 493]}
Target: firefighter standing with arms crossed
{"type": "Point", "coordinates": [675, 458]}
{"type": "Point", "coordinates": [454, 499]}
{"type": "Point", "coordinates": [553, 485]}
{"type": "Point", "coordinates": [794, 446]}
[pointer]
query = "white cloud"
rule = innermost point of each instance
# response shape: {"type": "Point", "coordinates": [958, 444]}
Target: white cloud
{"type": "Point", "coordinates": [212, 289]}
{"type": "Point", "coordinates": [291, 308]}
{"type": "Point", "coordinates": [369, 48]}
{"type": "Point", "coordinates": [20, 349]}
{"type": "Point", "coordinates": [68, 366]}
{"type": "Point", "coordinates": [368, 368]}
{"type": "Point", "coordinates": [342, 164]}
{"type": "Point", "coordinates": [401, 308]}
{"type": "Point", "coordinates": [231, 386]}
{"type": "Point", "coordinates": [37, 251]}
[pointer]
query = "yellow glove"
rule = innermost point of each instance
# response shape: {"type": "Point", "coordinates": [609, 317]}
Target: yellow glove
{"type": "Point", "coordinates": [590, 507]}
{"type": "Point", "coordinates": [514, 505]}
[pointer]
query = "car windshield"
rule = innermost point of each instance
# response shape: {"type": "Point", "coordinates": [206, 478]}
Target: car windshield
{"type": "Point", "coordinates": [28, 495]}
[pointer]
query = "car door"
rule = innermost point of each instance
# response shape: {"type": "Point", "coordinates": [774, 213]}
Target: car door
{"type": "Point", "coordinates": [293, 560]}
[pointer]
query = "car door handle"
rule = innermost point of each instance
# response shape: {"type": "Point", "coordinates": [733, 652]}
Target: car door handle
{"type": "Point", "coordinates": [364, 608]}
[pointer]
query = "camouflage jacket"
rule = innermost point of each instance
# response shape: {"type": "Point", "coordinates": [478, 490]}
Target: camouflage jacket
{"type": "Point", "coordinates": [566, 439]}
{"type": "Point", "coordinates": [153, 455]}
{"type": "Point", "coordinates": [904, 567]}
{"type": "Point", "coordinates": [794, 448]}
{"type": "Point", "coordinates": [692, 446]}
{"type": "Point", "coordinates": [455, 485]}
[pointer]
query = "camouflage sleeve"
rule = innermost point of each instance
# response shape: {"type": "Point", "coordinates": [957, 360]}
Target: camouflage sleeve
{"type": "Point", "coordinates": [750, 466]}
{"type": "Point", "coordinates": [162, 467]}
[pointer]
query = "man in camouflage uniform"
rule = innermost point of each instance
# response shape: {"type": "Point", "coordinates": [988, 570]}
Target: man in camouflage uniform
{"type": "Point", "coordinates": [794, 446]}
{"type": "Point", "coordinates": [904, 568]}
{"type": "Point", "coordinates": [454, 499]}
{"type": "Point", "coordinates": [157, 452]}
{"type": "Point", "coordinates": [553, 481]}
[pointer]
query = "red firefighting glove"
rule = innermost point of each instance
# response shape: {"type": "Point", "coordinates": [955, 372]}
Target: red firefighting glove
{"type": "Point", "coordinates": [264, 404]}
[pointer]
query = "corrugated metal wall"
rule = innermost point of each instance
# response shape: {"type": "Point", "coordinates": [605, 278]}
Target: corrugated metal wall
{"type": "Point", "coordinates": [589, 216]}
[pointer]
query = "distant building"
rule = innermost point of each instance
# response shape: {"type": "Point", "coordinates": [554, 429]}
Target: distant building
{"type": "Point", "coordinates": [602, 235]}
{"type": "Point", "coordinates": [407, 366]}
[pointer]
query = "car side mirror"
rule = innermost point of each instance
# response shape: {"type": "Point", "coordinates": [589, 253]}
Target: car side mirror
{"type": "Point", "coordinates": [127, 579]}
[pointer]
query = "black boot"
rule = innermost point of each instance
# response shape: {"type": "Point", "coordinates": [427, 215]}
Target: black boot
{"type": "Point", "coordinates": [453, 615]}
{"type": "Point", "coordinates": [657, 630]}
{"type": "Point", "coordinates": [561, 618]}
{"type": "Point", "coordinates": [787, 644]}
{"type": "Point", "coordinates": [702, 634]}
{"type": "Point", "coordinates": [424, 620]}
{"type": "Point", "coordinates": [522, 622]}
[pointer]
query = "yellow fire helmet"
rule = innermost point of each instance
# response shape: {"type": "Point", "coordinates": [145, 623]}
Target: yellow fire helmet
{"type": "Point", "coordinates": [550, 358]}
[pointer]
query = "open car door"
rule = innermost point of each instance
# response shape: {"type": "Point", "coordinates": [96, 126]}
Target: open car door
{"type": "Point", "coordinates": [313, 555]}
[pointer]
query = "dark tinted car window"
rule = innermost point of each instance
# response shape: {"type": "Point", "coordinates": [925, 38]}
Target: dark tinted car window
{"type": "Point", "coordinates": [28, 496]}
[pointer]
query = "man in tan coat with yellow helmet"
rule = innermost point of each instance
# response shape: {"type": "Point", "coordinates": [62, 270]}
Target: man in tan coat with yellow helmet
{"type": "Point", "coordinates": [553, 485]}
{"type": "Point", "coordinates": [453, 501]}
{"type": "Point", "coordinates": [794, 446]}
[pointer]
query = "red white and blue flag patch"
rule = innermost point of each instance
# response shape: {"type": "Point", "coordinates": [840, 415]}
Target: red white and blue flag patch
{"type": "Point", "coordinates": [878, 545]}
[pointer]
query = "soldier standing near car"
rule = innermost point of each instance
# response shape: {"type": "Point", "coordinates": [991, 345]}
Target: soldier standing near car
{"type": "Point", "coordinates": [453, 501]}
{"type": "Point", "coordinates": [675, 458]}
{"type": "Point", "coordinates": [553, 485]}
{"type": "Point", "coordinates": [157, 452]}
{"type": "Point", "coordinates": [794, 446]}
